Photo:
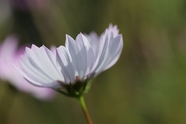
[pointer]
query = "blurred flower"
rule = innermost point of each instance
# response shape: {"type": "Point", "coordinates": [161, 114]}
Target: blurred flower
{"type": "Point", "coordinates": [10, 54]}
{"type": "Point", "coordinates": [72, 66]}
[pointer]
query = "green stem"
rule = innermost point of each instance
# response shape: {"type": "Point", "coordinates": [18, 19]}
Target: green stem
{"type": "Point", "coordinates": [85, 111]}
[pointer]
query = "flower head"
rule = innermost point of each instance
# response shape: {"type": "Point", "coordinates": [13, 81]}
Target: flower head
{"type": "Point", "coordinates": [70, 67]}
{"type": "Point", "coordinates": [10, 54]}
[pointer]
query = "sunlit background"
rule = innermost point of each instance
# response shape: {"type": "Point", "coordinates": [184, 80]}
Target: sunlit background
{"type": "Point", "coordinates": [146, 86]}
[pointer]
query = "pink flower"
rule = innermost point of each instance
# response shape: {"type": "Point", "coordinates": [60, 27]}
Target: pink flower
{"type": "Point", "coordinates": [9, 56]}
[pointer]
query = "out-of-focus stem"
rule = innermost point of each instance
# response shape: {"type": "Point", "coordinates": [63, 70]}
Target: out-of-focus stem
{"type": "Point", "coordinates": [85, 111]}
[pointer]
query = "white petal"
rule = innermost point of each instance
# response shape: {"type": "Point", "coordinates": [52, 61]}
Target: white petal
{"type": "Point", "coordinates": [104, 44]}
{"type": "Point", "coordinates": [45, 60]}
{"type": "Point", "coordinates": [85, 53]}
{"type": "Point", "coordinates": [53, 49]}
{"type": "Point", "coordinates": [90, 60]}
{"type": "Point", "coordinates": [29, 79]}
{"type": "Point", "coordinates": [94, 41]}
{"type": "Point", "coordinates": [82, 55]}
{"type": "Point", "coordinates": [39, 67]}
{"type": "Point", "coordinates": [30, 66]}
{"type": "Point", "coordinates": [33, 80]}
{"type": "Point", "coordinates": [34, 73]}
{"type": "Point", "coordinates": [115, 48]}
{"type": "Point", "coordinates": [65, 61]}
{"type": "Point", "coordinates": [113, 29]}
{"type": "Point", "coordinates": [110, 53]}
{"type": "Point", "coordinates": [71, 48]}
{"type": "Point", "coordinates": [95, 44]}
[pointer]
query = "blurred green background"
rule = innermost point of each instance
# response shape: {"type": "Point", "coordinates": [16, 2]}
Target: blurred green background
{"type": "Point", "coordinates": [146, 86]}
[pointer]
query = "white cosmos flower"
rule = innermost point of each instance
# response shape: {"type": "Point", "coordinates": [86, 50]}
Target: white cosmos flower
{"type": "Point", "coordinates": [72, 65]}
